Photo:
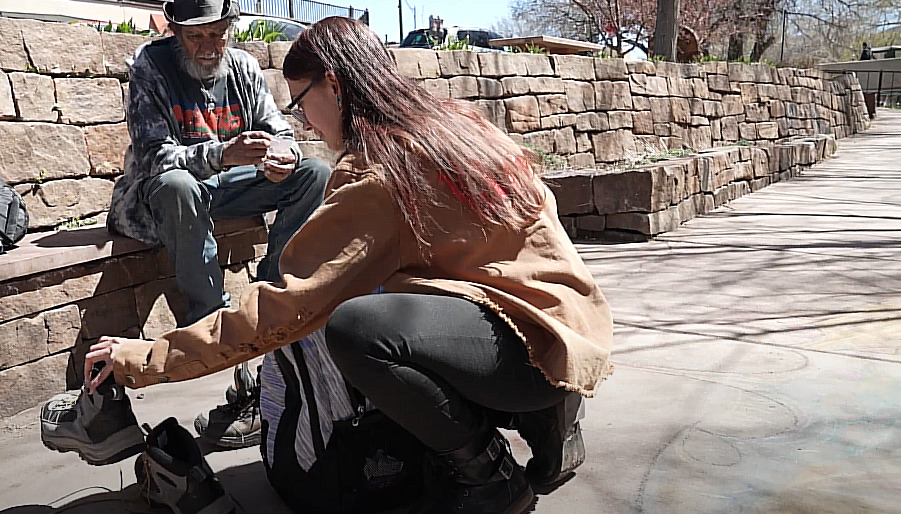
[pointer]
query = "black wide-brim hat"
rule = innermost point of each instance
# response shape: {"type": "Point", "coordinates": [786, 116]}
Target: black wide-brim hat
{"type": "Point", "coordinates": [199, 12]}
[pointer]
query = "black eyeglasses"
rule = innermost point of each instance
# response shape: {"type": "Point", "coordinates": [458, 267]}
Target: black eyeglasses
{"type": "Point", "coordinates": [293, 108]}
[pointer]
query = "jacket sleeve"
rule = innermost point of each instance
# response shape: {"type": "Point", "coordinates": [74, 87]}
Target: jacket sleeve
{"type": "Point", "coordinates": [348, 247]}
{"type": "Point", "coordinates": [154, 136]}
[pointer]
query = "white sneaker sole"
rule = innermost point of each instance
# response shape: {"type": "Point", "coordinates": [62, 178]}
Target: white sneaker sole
{"type": "Point", "coordinates": [117, 447]}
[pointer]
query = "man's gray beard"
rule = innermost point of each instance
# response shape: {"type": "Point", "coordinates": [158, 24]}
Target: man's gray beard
{"type": "Point", "coordinates": [200, 71]}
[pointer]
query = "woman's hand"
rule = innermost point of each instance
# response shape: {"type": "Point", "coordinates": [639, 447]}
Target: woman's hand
{"type": "Point", "coordinates": [101, 352]}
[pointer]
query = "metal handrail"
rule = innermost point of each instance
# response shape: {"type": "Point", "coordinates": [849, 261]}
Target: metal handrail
{"type": "Point", "coordinates": [307, 11]}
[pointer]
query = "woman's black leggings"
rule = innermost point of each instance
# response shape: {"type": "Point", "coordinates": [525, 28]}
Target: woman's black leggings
{"type": "Point", "coordinates": [431, 362]}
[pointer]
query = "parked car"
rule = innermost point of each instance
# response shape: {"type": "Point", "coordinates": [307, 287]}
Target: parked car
{"type": "Point", "coordinates": [289, 28]}
{"type": "Point", "coordinates": [426, 38]}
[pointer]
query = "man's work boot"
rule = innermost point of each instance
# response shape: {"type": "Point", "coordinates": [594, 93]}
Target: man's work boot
{"type": "Point", "coordinates": [555, 453]}
{"type": "Point", "coordinates": [100, 427]}
{"type": "Point", "coordinates": [173, 472]}
{"type": "Point", "coordinates": [235, 424]}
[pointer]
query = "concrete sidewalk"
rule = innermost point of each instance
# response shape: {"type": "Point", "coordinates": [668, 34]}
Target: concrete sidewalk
{"type": "Point", "coordinates": [758, 366]}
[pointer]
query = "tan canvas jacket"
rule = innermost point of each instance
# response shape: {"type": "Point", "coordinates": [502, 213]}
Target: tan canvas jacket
{"type": "Point", "coordinates": [358, 240]}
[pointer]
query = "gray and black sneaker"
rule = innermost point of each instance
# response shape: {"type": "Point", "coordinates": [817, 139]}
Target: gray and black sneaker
{"type": "Point", "coordinates": [236, 424]}
{"type": "Point", "coordinates": [173, 473]}
{"type": "Point", "coordinates": [100, 427]}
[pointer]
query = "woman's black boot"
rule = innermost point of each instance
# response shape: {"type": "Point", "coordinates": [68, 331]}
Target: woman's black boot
{"type": "Point", "coordinates": [486, 479]}
{"type": "Point", "coordinates": [557, 446]}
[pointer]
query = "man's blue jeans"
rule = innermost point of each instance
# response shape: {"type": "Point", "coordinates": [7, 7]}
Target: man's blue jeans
{"type": "Point", "coordinates": [185, 208]}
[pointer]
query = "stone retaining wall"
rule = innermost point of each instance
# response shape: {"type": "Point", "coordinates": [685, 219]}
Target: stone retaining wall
{"type": "Point", "coordinates": [63, 90]}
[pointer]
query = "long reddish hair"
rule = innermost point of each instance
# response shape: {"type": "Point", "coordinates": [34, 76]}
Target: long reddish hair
{"type": "Point", "coordinates": [388, 120]}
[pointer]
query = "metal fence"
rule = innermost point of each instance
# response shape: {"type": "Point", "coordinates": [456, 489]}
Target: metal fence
{"type": "Point", "coordinates": [306, 11]}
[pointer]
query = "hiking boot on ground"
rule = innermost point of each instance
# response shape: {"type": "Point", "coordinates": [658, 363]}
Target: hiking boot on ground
{"type": "Point", "coordinates": [555, 455]}
{"type": "Point", "coordinates": [485, 479]}
{"type": "Point", "coordinates": [173, 473]}
{"type": "Point", "coordinates": [236, 424]}
{"type": "Point", "coordinates": [100, 427]}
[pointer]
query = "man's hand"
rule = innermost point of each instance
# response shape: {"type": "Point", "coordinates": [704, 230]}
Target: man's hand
{"type": "Point", "coordinates": [279, 167]}
{"type": "Point", "coordinates": [247, 148]}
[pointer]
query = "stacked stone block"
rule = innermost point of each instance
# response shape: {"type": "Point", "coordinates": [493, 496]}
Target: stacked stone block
{"type": "Point", "coordinates": [641, 202]}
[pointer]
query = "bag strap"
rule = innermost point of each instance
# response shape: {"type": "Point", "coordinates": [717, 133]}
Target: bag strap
{"type": "Point", "coordinates": [312, 406]}
{"type": "Point", "coordinates": [12, 218]}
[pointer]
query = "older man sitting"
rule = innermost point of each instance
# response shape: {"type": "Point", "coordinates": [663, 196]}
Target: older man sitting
{"type": "Point", "coordinates": [202, 120]}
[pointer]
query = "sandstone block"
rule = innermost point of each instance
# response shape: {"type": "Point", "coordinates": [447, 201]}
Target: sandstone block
{"type": "Point", "coordinates": [564, 141]}
{"type": "Point", "coordinates": [580, 160]}
{"type": "Point", "coordinates": [652, 223]}
{"type": "Point", "coordinates": [502, 65]}
{"type": "Point", "coordinates": [277, 52]}
{"type": "Point", "coordinates": [699, 138]}
{"type": "Point", "coordinates": [83, 101]}
{"type": "Point", "coordinates": [259, 50]}
{"type": "Point", "coordinates": [458, 62]}
{"type": "Point", "coordinates": [439, 88]}
{"type": "Point", "coordinates": [63, 328]}
{"type": "Point", "coordinates": [681, 111]}
{"type": "Point", "coordinates": [661, 110]}
{"type": "Point", "coordinates": [106, 146]}
{"type": "Point", "coordinates": [57, 201]}
{"type": "Point", "coordinates": [463, 87]}
{"type": "Point", "coordinates": [757, 112]}
{"type": "Point", "coordinates": [45, 151]}
{"type": "Point", "coordinates": [13, 56]}
{"type": "Point", "coordinates": [35, 96]}
{"type": "Point", "coordinates": [515, 86]}
{"type": "Point", "coordinates": [592, 122]}
{"type": "Point", "coordinates": [490, 88]}
{"type": "Point", "coordinates": [680, 87]}
{"type": "Point", "coordinates": [22, 340]}
{"type": "Point", "coordinates": [730, 128]}
{"type": "Point", "coordinates": [62, 48]}
{"type": "Point", "coordinates": [109, 314]}
{"type": "Point", "coordinates": [494, 111]}
{"type": "Point", "coordinates": [648, 85]}
{"type": "Point", "coordinates": [542, 140]}
{"type": "Point", "coordinates": [645, 190]}
{"type": "Point", "coordinates": [719, 84]}
{"type": "Point", "coordinates": [699, 88]}
{"type": "Point", "coordinates": [551, 104]}
{"type": "Point", "coordinates": [643, 67]}
{"type": "Point", "coordinates": [537, 64]}
{"type": "Point", "coordinates": [612, 96]}
{"type": "Point", "coordinates": [768, 130]}
{"type": "Point", "coordinates": [642, 122]}
{"type": "Point", "coordinates": [759, 183]}
{"type": "Point", "coordinates": [583, 143]}
{"type": "Point", "coordinates": [572, 191]}
{"type": "Point", "coordinates": [610, 69]}
{"type": "Point", "coordinates": [545, 85]}
{"type": "Point", "coordinates": [7, 106]}
{"type": "Point", "coordinates": [33, 294]}
{"type": "Point", "coordinates": [558, 121]}
{"type": "Point", "coordinates": [574, 67]}
{"type": "Point", "coordinates": [416, 63]}
{"type": "Point", "coordinates": [579, 96]}
{"type": "Point", "coordinates": [740, 72]}
{"type": "Point", "coordinates": [118, 47]}
{"type": "Point", "coordinates": [619, 119]}
{"type": "Point", "coordinates": [748, 92]}
{"type": "Point", "coordinates": [613, 146]}
{"type": "Point", "coordinates": [278, 86]}
{"type": "Point", "coordinates": [25, 386]}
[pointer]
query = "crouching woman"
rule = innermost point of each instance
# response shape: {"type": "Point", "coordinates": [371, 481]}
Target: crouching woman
{"type": "Point", "coordinates": [488, 309]}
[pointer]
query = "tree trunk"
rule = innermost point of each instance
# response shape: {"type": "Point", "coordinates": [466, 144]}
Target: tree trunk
{"type": "Point", "coordinates": [667, 29]}
{"type": "Point", "coordinates": [736, 47]}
